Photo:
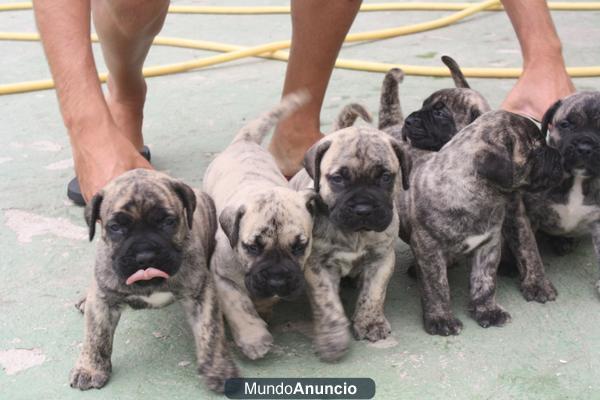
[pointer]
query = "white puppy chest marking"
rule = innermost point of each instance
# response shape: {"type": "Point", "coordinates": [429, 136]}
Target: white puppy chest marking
{"type": "Point", "coordinates": [157, 299]}
{"type": "Point", "coordinates": [472, 242]}
{"type": "Point", "coordinates": [573, 214]}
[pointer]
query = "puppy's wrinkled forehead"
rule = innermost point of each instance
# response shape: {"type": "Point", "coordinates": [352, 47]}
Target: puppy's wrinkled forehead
{"type": "Point", "coordinates": [139, 193]}
{"type": "Point", "coordinates": [581, 109]}
{"type": "Point", "coordinates": [276, 216]}
{"type": "Point", "coordinates": [358, 149]}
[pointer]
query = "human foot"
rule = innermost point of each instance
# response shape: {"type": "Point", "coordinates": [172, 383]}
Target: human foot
{"type": "Point", "coordinates": [289, 144]}
{"type": "Point", "coordinates": [540, 85]}
{"type": "Point", "coordinates": [101, 152]}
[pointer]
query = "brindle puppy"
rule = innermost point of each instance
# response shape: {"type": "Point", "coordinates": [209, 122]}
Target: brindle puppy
{"type": "Point", "coordinates": [456, 207]}
{"type": "Point", "coordinates": [570, 209]}
{"type": "Point", "coordinates": [157, 239]}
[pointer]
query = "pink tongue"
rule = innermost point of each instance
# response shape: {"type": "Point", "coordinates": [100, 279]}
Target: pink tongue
{"type": "Point", "coordinates": [146, 275]}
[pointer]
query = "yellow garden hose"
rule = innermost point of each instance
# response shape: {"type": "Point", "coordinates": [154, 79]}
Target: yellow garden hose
{"type": "Point", "coordinates": [274, 50]}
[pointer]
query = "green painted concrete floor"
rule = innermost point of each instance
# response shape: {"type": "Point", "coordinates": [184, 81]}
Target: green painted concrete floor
{"type": "Point", "coordinates": [549, 351]}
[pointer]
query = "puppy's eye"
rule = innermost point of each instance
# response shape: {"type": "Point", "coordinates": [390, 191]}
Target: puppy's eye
{"type": "Point", "coordinates": [298, 248]}
{"type": "Point", "coordinates": [252, 249]}
{"type": "Point", "coordinates": [438, 113]}
{"type": "Point", "coordinates": [337, 178]}
{"type": "Point", "coordinates": [169, 222]}
{"type": "Point", "coordinates": [564, 124]}
{"type": "Point", "coordinates": [386, 177]}
{"type": "Point", "coordinates": [115, 228]}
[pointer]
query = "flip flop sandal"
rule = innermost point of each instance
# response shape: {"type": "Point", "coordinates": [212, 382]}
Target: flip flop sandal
{"type": "Point", "coordinates": [74, 191]}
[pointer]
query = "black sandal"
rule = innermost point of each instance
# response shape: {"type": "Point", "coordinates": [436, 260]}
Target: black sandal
{"type": "Point", "coordinates": [74, 191]}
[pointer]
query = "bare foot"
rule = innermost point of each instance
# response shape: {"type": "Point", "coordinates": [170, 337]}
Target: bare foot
{"type": "Point", "coordinates": [540, 85]}
{"type": "Point", "coordinates": [126, 105]}
{"type": "Point", "coordinates": [289, 144]}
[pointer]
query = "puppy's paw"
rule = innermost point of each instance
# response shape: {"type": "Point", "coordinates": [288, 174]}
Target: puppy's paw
{"type": "Point", "coordinates": [491, 317]}
{"type": "Point", "coordinates": [331, 345]}
{"type": "Point", "coordinates": [443, 326]}
{"type": "Point", "coordinates": [372, 329]}
{"type": "Point", "coordinates": [256, 346]}
{"type": "Point", "coordinates": [216, 376]}
{"type": "Point", "coordinates": [541, 290]}
{"type": "Point", "coordinates": [85, 378]}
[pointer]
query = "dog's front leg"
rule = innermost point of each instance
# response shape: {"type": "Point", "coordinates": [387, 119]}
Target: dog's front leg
{"type": "Point", "coordinates": [520, 238]}
{"type": "Point", "coordinates": [332, 335]}
{"type": "Point", "coordinates": [432, 273]}
{"type": "Point", "coordinates": [212, 351]}
{"type": "Point", "coordinates": [249, 330]}
{"type": "Point", "coordinates": [93, 366]}
{"type": "Point", "coordinates": [369, 321]}
{"type": "Point", "coordinates": [482, 284]}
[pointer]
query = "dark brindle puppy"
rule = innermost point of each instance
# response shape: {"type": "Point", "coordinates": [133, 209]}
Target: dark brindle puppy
{"type": "Point", "coordinates": [441, 116]}
{"type": "Point", "coordinates": [356, 172]}
{"type": "Point", "coordinates": [157, 238]}
{"type": "Point", "coordinates": [570, 209]}
{"type": "Point", "coordinates": [456, 206]}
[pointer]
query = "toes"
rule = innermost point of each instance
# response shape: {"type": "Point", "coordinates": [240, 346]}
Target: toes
{"type": "Point", "coordinates": [332, 346]}
{"type": "Point", "coordinates": [372, 331]}
{"type": "Point", "coordinates": [539, 291]}
{"type": "Point", "coordinates": [445, 326]}
{"type": "Point", "coordinates": [84, 379]}
{"type": "Point", "coordinates": [257, 349]}
{"type": "Point", "coordinates": [493, 317]}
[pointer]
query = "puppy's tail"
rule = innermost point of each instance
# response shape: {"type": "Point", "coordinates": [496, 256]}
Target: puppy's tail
{"type": "Point", "coordinates": [257, 129]}
{"type": "Point", "coordinates": [390, 111]}
{"type": "Point", "coordinates": [349, 114]}
{"type": "Point", "coordinates": [457, 75]}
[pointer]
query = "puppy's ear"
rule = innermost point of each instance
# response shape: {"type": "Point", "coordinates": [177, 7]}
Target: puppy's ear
{"type": "Point", "coordinates": [188, 199]}
{"type": "Point", "coordinates": [495, 167]}
{"type": "Point", "coordinates": [312, 161]}
{"type": "Point", "coordinates": [548, 116]}
{"type": "Point", "coordinates": [92, 213]}
{"type": "Point", "coordinates": [311, 201]}
{"type": "Point", "coordinates": [475, 113]}
{"type": "Point", "coordinates": [230, 223]}
{"type": "Point", "coordinates": [405, 162]}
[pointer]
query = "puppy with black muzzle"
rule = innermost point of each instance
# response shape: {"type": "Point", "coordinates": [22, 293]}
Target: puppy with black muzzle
{"type": "Point", "coordinates": [157, 239]}
{"type": "Point", "coordinates": [265, 231]}
{"type": "Point", "coordinates": [571, 208]}
{"type": "Point", "coordinates": [456, 207]}
{"type": "Point", "coordinates": [356, 172]}
{"type": "Point", "coordinates": [442, 115]}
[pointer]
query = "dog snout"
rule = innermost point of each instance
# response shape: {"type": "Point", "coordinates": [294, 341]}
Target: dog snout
{"type": "Point", "coordinates": [412, 121]}
{"type": "Point", "coordinates": [145, 256]}
{"type": "Point", "coordinates": [584, 149]}
{"type": "Point", "coordinates": [363, 209]}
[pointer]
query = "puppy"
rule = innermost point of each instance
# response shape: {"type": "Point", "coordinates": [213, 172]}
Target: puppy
{"type": "Point", "coordinates": [157, 238]}
{"type": "Point", "coordinates": [571, 208]}
{"type": "Point", "coordinates": [456, 206]}
{"type": "Point", "coordinates": [355, 172]}
{"type": "Point", "coordinates": [442, 115]}
{"type": "Point", "coordinates": [265, 231]}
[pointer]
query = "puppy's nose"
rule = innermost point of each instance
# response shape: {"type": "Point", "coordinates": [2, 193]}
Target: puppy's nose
{"type": "Point", "coordinates": [143, 257]}
{"type": "Point", "coordinates": [410, 121]}
{"type": "Point", "coordinates": [277, 284]}
{"type": "Point", "coordinates": [362, 209]}
{"type": "Point", "coordinates": [584, 149]}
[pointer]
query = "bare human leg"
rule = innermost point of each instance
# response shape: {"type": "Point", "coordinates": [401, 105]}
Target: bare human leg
{"type": "Point", "coordinates": [318, 31]}
{"type": "Point", "coordinates": [544, 79]}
